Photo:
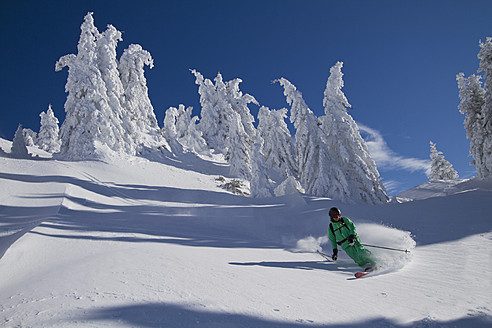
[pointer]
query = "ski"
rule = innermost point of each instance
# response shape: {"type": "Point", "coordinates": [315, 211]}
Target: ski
{"type": "Point", "coordinates": [363, 274]}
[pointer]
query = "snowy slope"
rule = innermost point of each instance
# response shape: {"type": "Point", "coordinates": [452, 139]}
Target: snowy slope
{"type": "Point", "coordinates": [157, 243]}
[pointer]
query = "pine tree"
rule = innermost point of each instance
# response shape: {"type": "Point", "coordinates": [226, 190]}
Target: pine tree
{"type": "Point", "coordinates": [96, 123]}
{"type": "Point", "coordinates": [472, 97]}
{"type": "Point", "coordinates": [30, 137]}
{"type": "Point", "coordinates": [226, 122]}
{"type": "Point", "coordinates": [311, 152]}
{"type": "Point", "coordinates": [86, 106]}
{"type": "Point", "coordinates": [260, 185]}
{"type": "Point", "coordinates": [216, 113]}
{"type": "Point", "coordinates": [278, 147]}
{"type": "Point", "coordinates": [139, 109]}
{"type": "Point", "coordinates": [19, 149]}
{"type": "Point", "coordinates": [441, 169]}
{"type": "Point", "coordinates": [353, 174]}
{"type": "Point", "coordinates": [119, 125]}
{"type": "Point", "coordinates": [180, 127]}
{"type": "Point", "coordinates": [485, 56]}
{"type": "Point", "coordinates": [48, 137]}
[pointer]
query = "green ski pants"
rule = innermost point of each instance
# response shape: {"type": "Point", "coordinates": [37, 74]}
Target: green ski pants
{"type": "Point", "coordinates": [359, 254]}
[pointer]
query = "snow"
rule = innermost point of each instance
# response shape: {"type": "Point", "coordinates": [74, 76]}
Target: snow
{"type": "Point", "coordinates": [135, 242]}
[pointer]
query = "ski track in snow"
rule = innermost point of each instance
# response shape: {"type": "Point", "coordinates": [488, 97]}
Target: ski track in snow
{"type": "Point", "coordinates": [138, 243]}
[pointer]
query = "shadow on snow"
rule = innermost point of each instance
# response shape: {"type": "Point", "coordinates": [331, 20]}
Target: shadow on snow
{"type": "Point", "coordinates": [170, 315]}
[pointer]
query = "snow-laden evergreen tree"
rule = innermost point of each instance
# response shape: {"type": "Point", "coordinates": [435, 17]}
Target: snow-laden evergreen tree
{"type": "Point", "coordinates": [485, 56]}
{"type": "Point", "coordinates": [87, 122]}
{"type": "Point", "coordinates": [352, 172]}
{"type": "Point", "coordinates": [30, 137]}
{"type": "Point", "coordinates": [278, 146]}
{"type": "Point", "coordinates": [239, 151]}
{"type": "Point", "coordinates": [472, 97]}
{"type": "Point", "coordinates": [260, 185]}
{"type": "Point", "coordinates": [239, 103]}
{"type": "Point", "coordinates": [226, 122]}
{"type": "Point", "coordinates": [136, 101]}
{"type": "Point", "coordinates": [19, 149]}
{"type": "Point", "coordinates": [96, 121]}
{"type": "Point", "coordinates": [311, 152]}
{"type": "Point", "coordinates": [216, 113]}
{"type": "Point", "coordinates": [48, 137]}
{"type": "Point", "coordinates": [180, 126]}
{"type": "Point", "coordinates": [440, 169]}
{"type": "Point", "coordinates": [120, 124]}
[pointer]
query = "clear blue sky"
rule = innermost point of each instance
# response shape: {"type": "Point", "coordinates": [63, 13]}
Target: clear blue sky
{"type": "Point", "coordinates": [400, 61]}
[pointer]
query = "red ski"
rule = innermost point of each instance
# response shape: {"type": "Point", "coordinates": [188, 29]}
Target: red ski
{"type": "Point", "coordinates": [363, 274]}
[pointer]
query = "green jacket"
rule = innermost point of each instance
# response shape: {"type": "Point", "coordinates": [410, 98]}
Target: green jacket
{"type": "Point", "coordinates": [343, 228]}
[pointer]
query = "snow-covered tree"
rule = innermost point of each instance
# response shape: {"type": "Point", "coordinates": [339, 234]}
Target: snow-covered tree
{"type": "Point", "coordinates": [311, 152]}
{"type": "Point", "coordinates": [99, 115]}
{"type": "Point", "coordinates": [353, 172]}
{"type": "Point", "coordinates": [278, 146]}
{"type": "Point", "coordinates": [440, 169]}
{"type": "Point", "coordinates": [48, 137]}
{"type": "Point", "coordinates": [226, 123]}
{"type": "Point", "coordinates": [472, 97]}
{"type": "Point", "coordinates": [30, 137]}
{"type": "Point", "coordinates": [87, 121]}
{"type": "Point", "coordinates": [485, 56]}
{"type": "Point", "coordinates": [260, 185]}
{"type": "Point", "coordinates": [19, 149]}
{"type": "Point", "coordinates": [136, 101]}
{"type": "Point", "coordinates": [239, 151]}
{"type": "Point", "coordinates": [180, 127]}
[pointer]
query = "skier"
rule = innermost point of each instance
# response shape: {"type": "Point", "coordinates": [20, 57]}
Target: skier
{"type": "Point", "coordinates": [342, 232]}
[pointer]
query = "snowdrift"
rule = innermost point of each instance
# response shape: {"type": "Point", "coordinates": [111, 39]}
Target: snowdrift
{"type": "Point", "coordinates": [157, 242]}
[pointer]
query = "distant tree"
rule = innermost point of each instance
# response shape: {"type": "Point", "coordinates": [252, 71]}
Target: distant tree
{"type": "Point", "coordinates": [278, 147]}
{"type": "Point", "coordinates": [485, 56]}
{"type": "Point", "coordinates": [19, 149]}
{"type": "Point", "coordinates": [30, 137]}
{"type": "Point", "coordinates": [472, 97]}
{"type": "Point", "coordinates": [180, 127]}
{"type": "Point", "coordinates": [216, 113]}
{"type": "Point", "coordinates": [226, 122]}
{"type": "Point", "coordinates": [260, 185]}
{"type": "Point", "coordinates": [48, 137]}
{"type": "Point", "coordinates": [239, 151]}
{"type": "Point", "coordinates": [441, 169]}
{"type": "Point", "coordinates": [352, 172]}
{"type": "Point", "coordinates": [311, 152]}
{"type": "Point", "coordinates": [136, 101]}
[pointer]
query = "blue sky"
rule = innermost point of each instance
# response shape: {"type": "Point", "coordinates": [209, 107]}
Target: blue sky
{"type": "Point", "coordinates": [400, 62]}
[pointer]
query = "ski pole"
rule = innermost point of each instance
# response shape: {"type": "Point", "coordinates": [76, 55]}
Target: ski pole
{"type": "Point", "coordinates": [326, 256]}
{"type": "Point", "coordinates": [389, 248]}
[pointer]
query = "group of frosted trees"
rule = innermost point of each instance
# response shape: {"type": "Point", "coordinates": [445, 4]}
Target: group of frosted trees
{"type": "Point", "coordinates": [107, 106]}
{"type": "Point", "coordinates": [108, 110]}
{"type": "Point", "coordinates": [47, 139]}
{"type": "Point", "coordinates": [328, 157]}
{"type": "Point", "coordinates": [476, 105]}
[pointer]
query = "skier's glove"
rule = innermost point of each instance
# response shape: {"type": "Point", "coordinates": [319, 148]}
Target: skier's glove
{"type": "Point", "coordinates": [334, 257]}
{"type": "Point", "coordinates": [351, 240]}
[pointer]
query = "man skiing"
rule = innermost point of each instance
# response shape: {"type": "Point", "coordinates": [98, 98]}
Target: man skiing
{"type": "Point", "coordinates": [342, 232]}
